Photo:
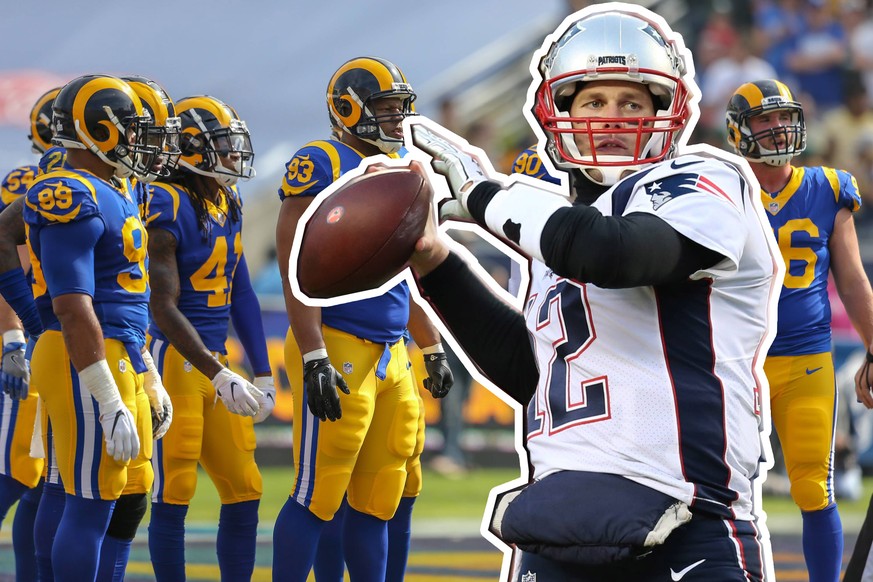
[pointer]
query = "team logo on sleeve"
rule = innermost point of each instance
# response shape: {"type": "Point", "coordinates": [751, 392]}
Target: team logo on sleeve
{"type": "Point", "coordinates": [672, 187]}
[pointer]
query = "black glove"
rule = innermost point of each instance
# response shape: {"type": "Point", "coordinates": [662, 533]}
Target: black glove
{"type": "Point", "coordinates": [439, 376]}
{"type": "Point", "coordinates": [321, 380]}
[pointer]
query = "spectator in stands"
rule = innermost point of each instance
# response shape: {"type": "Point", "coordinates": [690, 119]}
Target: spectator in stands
{"type": "Point", "coordinates": [861, 39]}
{"type": "Point", "coordinates": [775, 22]}
{"type": "Point", "coordinates": [843, 129]}
{"type": "Point", "coordinates": [725, 74]}
{"type": "Point", "coordinates": [816, 56]}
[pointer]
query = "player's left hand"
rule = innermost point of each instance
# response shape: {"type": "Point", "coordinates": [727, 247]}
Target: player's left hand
{"type": "Point", "coordinates": [160, 403]}
{"type": "Point", "coordinates": [15, 370]}
{"type": "Point", "coordinates": [463, 171]}
{"type": "Point", "coordinates": [864, 382]}
{"type": "Point", "coordinates": [267, 398]}
{"type": "Point", "coordinates": [159, 400]}
{"type": "Point", "coordinates": [439, 376]}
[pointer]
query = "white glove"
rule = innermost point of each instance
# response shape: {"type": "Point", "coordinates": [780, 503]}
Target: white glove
{"type": "Point", "coordinates": [159, 400]}
{"type": "Point", "coordinates": [267, 399]}
{"type": "Point", "coordinates": [119, 427]}
{"type": "Point", "coordinates": [462, 170]}
{"type": "Point", "coordinates": [238, 394]}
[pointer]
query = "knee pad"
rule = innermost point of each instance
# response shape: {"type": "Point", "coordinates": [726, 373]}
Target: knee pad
{"type": "Point", "coordinates": [377, 494]}
{"type": "Point", "coordinates": [127, 515]}
{"type": "Point", "coordinates": [179, 486]}
{"type": "Point", "coordinates": [413, 478]}
{"type": "Point", "coordinates": [809, 495]}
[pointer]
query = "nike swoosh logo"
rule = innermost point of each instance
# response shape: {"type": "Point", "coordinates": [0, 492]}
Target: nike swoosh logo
{"type": "Point", "coordinates": [233, 386]}
{"type": "Point", "coordinates": [813, 371]}
{"type": "Point", "coordinates": [677, 165]}
{"type": "Point", "coordinates": [676, 576]}
{"type": "Point", "coordinates": [114, 424]}
{"type": "Point", "coordinates": [15, 360]}
{"type": "Point", "coordinates": [321, 378]}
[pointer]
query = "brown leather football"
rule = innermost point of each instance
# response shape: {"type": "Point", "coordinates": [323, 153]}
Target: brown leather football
{"type": "Point", "coordinates": [363, 234]}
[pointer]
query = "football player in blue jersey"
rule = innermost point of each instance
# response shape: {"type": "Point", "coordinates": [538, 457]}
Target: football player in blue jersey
{"type": "Point", "coordinates": [163, 134]}
{"type": "Point", "coordinates": [88, 246]}
{"type": "Point", "coordinates": [20, 474]}
{"type": "Point", "coordinates": [130, 507]}
{"type": "Point", "coordinates": [528, 163]}
{"type": "Point", "coordinates": [810, 210]}
{"type": "Point", "coordinates": [359, 442]}
{"type": "Point", "coordinates": [200, 282]}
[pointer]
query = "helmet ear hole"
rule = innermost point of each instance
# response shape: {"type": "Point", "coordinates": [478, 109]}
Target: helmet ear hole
{"type": "Point", "coordinates": [343, 107]}
{"type": "Point", "coordinates": [189, 144]}
{"type": "Point", "coordinates": [100, 133]}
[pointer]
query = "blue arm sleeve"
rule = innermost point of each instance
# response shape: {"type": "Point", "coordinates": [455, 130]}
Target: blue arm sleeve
{"type": "Point", "coordinates": [68, 256]}
{"type": "Point", "coordinates": [245, 312]}
{"type": "Point", "coordinates": [16, 291]}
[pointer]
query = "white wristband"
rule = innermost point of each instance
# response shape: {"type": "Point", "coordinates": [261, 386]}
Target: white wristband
{"type": "Point", "coordinates": [314, 355]}
{"type": "Point", "coordinates": [13, 336]}
{"type": "Point", "coordinates": [149, 362]}
{"type": "Point", "coordinates": [98, 380]}
{"type": "Point", "coordinates": [434, 349]}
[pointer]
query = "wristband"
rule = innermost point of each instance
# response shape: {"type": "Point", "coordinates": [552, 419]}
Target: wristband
{"type": "Point", "coordinates": [14, 336]}
{"type": "Point", "coordinates": [318, 354]}
{"type": "Point", "coordinates": [434, 349]}
{"type": "Point", "coordinates": [98, 380]}
{"type": "Point", "coordinates": [149, 362]}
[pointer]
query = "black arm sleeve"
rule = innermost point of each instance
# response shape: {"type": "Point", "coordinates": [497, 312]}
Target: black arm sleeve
{"type": "Point", "coordinates": [635, 250]}
{"type": "Point", "coordinates": [489, 330]}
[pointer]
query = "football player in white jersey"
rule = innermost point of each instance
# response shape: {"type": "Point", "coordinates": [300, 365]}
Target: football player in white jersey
{"type": "Point", "coordinates": [638, 353]}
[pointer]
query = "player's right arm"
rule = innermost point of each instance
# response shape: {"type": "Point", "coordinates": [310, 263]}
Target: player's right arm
{"type": "Point", "coordinates": [68, 226]}
{"type": "Point", "coordinates": [303, 179]}
{"type": "Point", "coordinates": [492, 332]}
{"type": "Point", "coordinates": [305, 321]}
{"type": "Point", "coordinates": [164, 304]}
{"type": "Point", "coordinates": [237, 393]}
{"type": "Point", "coordinates": [66, 271]}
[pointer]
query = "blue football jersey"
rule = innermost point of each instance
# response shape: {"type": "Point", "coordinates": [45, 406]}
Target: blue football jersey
{"type": "Point", "coordinates": [802, 216]}
{"type": "Point", "coordinates": [120, 266]}
{"type": "Point", "coordinates": [207, 261]}
{"type": "Point", "coordinates": [54, 158]}
{"type": "Point", "coordinates": [16, 183]}
{"type": "Point", "coordinates": [313, 168]}
{"type": "Point", "coordinates": [529, 163]}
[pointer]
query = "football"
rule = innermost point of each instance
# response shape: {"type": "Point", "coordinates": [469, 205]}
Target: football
{"type": "Point", "coordinates": [363, 234]}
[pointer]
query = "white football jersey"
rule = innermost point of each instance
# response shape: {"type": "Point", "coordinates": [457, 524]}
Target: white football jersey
{"type": "Point", "coordinates": [658, 383]}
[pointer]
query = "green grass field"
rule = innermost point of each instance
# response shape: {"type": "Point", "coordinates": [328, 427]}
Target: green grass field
{"type": "Point", "coordinates": [464, 498]}
{"type": "Point", "coordinates": [442, 497]}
